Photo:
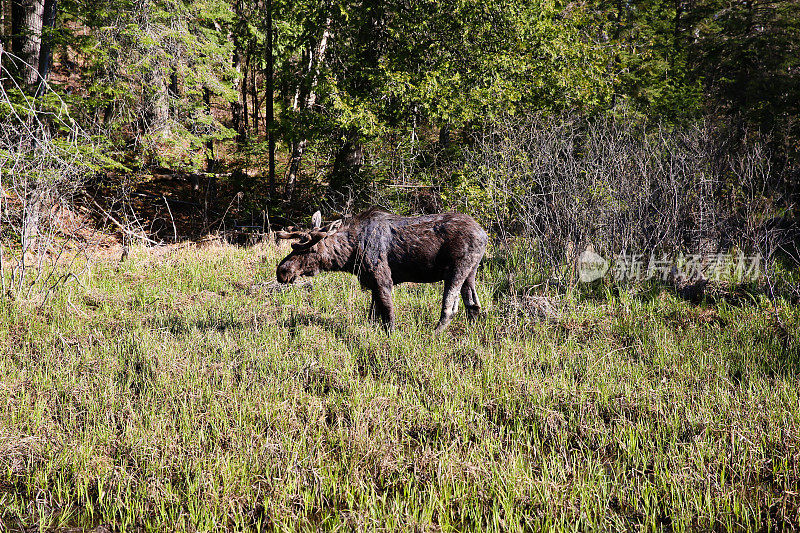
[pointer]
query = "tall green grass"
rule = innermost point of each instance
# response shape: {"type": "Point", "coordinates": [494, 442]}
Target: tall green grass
{"type": "Point", "coordinates": [187, 392]}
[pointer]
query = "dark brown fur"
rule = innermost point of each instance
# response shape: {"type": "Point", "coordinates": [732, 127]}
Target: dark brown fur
{"type": "Point", "coordinates": [384, 250]}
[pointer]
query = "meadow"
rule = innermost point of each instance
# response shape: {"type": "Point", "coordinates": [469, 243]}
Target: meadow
{"type": "Point", "coordinates": [184, 390]}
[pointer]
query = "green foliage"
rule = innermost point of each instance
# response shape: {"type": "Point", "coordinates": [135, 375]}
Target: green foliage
{"type": "Point", "coordinates": [680, 59]}
{"type": "Point", "coordinates": [130, 53]}
{"type": "Point", "coordinates": [454, 62]}
{"type": "Point", "coordinates": [748, 55]}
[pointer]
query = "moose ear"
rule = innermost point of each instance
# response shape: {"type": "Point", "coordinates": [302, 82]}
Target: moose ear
{"type": "Point", "coordinates": [316, 220]}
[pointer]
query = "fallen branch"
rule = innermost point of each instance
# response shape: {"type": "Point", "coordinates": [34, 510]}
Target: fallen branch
{"type": "Point", "coordinates": [122, 227]}
{"type": "Point", "coordinates": [174, 229]}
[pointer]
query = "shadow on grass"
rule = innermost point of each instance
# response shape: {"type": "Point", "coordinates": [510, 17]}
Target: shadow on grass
{"type": "Point", "coordinates": [181, 325]}
{"type": "Point", "coordinates": [776, 346]}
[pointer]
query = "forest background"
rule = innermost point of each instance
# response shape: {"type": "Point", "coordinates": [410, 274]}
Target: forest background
{"type": "Point", "coordinates": [633, 125]}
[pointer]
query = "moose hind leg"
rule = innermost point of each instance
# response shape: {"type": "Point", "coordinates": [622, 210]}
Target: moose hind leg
{"type": "Point", "coordinates": [450, 300]}
{"type": "Point", "coordinates": [382, 307]}
{"type": "Point", "coordinates": [373, 313]}
{"type": "Point", "coordinates": [470, 296]}
{"type": "Point", "coordinates": [474, 306]}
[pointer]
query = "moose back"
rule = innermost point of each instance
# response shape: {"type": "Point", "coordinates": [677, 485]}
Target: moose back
{"type": "Point", "coordinates": [384, 250]}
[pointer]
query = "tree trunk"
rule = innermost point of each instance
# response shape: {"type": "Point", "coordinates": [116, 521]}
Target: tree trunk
{"type": "Point", "coordinates": [46, 48]}
{"type": "Point", "coordinates": [347, 163]}
{"type": "Point", "coordinates": [26, 29]}
{"type": "Point", "coordinates": [108, 112]}
{"type": "Point", "coordinates": [254, 94]}
{"type": "Point", "coordinates": [236, 107]}
{"type": "Point", "coordinates": [444, 135]}
{"type": "Point", "coordinates": [173, 93]}
{"type": "Point", "coordinates": [210, 161]}
{"type": "Point", "coordinates": [305, 100]}
{"type": "Point", "coordinates": [4, 30]}
{"type": "Point", "coordinates": [676, 34]}
{"type": "Point", "coordinates": [270, 92]}
{"type": "Point", "coordinates": [210, 200]}
{"type": "Point", "coordinates": [298, 148]}
{"type": "Point", "coordinates": [156, 117]}
{"type": "Point", "coordinates": [174, 90]}
{"type": "Point", "coordinates": [243, 96]}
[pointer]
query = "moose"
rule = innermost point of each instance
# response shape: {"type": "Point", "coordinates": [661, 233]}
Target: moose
{"type": "Point", "coordinates": [383, 250]}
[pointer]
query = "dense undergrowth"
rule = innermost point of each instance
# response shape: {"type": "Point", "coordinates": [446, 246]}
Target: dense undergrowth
{"type": "Point", "coordinates": [186, 391]}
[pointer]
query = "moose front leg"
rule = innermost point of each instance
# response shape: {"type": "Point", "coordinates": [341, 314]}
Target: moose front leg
{"type": "Point", "coordinates": [382, 307]}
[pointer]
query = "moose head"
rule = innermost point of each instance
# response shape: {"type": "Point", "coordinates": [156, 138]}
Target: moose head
{"type": "Point", "coordinates": [308, 256]}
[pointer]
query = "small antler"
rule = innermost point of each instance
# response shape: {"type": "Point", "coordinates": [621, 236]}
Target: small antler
{"type": "Point", "coordinates": [293, 234]}
{"type": "Point", "coordinates": [315, 236]}
{"type": "Point", "coordinates": [333, 227]}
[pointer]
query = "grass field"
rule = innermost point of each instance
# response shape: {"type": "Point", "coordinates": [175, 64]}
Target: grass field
{"type": "Point", "coordinates": [184, 391]}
